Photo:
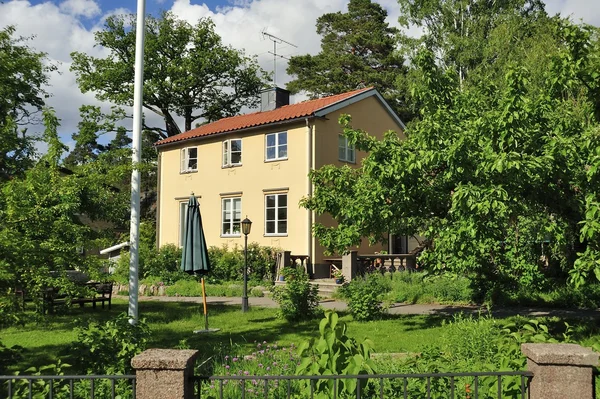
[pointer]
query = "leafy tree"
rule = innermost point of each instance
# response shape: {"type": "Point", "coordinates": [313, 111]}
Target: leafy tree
{"type": "Point", "coordinates": [458, 31]}
{"type": "Point", "coordinates": [188, 72]}
{"type": "Point", "coordinates": [47, 215]}
{"type": "Point", "coordinates": [92, 125]}
{"type": "Point", "coordinates": [23, 75]}
{"type": "Point", "coordinates": [503, 180]}
{"type": "Point", "coordinates": [358, 49]}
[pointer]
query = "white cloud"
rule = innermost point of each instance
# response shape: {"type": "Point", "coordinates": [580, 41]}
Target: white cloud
{"type": "Point", "coordinates": [587, 11]}
{"type": "Point", "coordinates": [241, 26]}
{"type": "Point", "coordinates": [56, 31]}
{"type": "Point", "coordinates": [63, 27]}
{"type": "Point", "coordinates": [85, 8]}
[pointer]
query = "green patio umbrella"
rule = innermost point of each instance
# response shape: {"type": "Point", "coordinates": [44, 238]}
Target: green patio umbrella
{"type": "Point", "coordinates": [194, 259]}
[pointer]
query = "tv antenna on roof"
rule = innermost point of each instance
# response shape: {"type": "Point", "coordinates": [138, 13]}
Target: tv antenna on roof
{"type": "Point", "coordinates": [276, 40]}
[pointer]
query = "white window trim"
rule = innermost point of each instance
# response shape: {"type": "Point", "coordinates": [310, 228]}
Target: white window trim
{"type": "Point", "coordinates": [277, 158]}
{"type": "Point", "coordinates": [238, 234]}
{"type": "Point", "coordinates": [185, 160]}
{"type": "Point", "coordinates": [346, 148]}
{"type": "Point", "coordinates": [276, 195]}
{"type": "Point", "coordinates": [229, 163]}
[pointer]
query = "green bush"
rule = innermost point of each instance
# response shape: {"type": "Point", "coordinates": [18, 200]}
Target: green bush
{"type": "Point", "coordinates": [421, 287]}
{"type": "Point", "coordinates": [297, 299]}
{"type": "Point", "coordinates": [192, 287]}
{"type": "Point", "coordinates": [108, 348]}
{"type": "Point", "coordinates": [334, 353]}
{"type": "Point", "coordinates": [365, 296]}
{"type": "Point", "coordinates": [228, 264]}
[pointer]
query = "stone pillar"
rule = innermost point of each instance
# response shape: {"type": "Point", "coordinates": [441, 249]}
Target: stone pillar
{"type": "Point", "coordinates": [283, 260]}
{"type": "Point", "coordinates": [560, 371]}
{"type": "Point", "coordinates": [164, 374]}
{"type": "Point", "coordinates": [349, 265]}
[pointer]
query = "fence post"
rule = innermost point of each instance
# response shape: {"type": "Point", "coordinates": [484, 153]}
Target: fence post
{"type": "Point", "coordinates": [560, 371]}
{"type": "Point", "coordinates": [164, 374]}
{"type": "Point", "coordinates": [349, 265]}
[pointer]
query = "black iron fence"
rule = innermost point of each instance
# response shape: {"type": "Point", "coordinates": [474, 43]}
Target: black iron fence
{"type": "Point", "coordinates": [481, 385]}
{"type": "Point", "coordinates": [67, 386]}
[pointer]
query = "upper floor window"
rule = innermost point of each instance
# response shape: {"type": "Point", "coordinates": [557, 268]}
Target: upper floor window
{"type": "Point", "coordinates": [346, 151]}
{"type": "Point", "coordinates": [231, 216]}
{"type": "Point", "coordinates": [232, 152]}
{"type": "Point", "coordinates": [276, 214]}
{"type": "Point", "coordinates": [189, 159]}
{"type": "Point", "coordinates": [276, 146]}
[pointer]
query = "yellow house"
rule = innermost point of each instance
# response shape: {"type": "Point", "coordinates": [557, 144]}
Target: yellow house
{"type": "Point", "coordinates": [256, 166]}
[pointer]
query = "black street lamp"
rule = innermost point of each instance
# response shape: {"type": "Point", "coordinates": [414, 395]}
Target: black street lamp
{"type": "Point", "coordinates": [246, 226]}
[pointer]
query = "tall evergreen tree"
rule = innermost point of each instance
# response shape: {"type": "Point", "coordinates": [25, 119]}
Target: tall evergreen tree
{"type": "Point", "coordinates": [358, 49]}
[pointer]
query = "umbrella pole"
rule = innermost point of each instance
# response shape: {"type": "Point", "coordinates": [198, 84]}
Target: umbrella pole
{"type": "Point", "coordinates": [204, 302]}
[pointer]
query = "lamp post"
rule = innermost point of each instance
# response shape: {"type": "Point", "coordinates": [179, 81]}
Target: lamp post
{"type": "Point", "coordinates": [246, 226]}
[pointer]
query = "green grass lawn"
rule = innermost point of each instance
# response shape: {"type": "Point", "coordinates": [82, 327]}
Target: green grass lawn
{"type": "Point", "coordinates": [172, 325]}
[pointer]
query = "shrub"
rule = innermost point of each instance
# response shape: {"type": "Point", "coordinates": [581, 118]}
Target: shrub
{"type": "Point", "coordinates": [108, 348]}
{"type": "Point", "coordinates": [297, 299]}
{"type": "Point", "coordinates": [334, 353]}
{"type": "Point", "coordinates": [365, 296]}
{"type": "Point", "coordinates": [257, 292]}
{"type": "Point", "coordinates": [228, 264]}
{"type": "Point", "coordinates": [422, 287]}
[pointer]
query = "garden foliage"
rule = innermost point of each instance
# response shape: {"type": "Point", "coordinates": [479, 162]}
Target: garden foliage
{"type": "Point", "coordinates": [107, 349]}
{"type": "Point", "coordinates": [297, 299]}
{"type": "Point", "coordinates": [334, 353]}
{"type": "Point", "coordinates": [365, 296]}
{"type": "Point", "coordinates": [501, 175]}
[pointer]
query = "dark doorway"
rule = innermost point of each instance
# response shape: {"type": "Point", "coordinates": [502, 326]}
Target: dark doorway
{"type": "Point", "coordinates": [400, 244]}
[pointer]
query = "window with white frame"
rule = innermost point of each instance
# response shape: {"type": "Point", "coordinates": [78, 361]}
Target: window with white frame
{"type": "Point", "coordinates": [346, 151]}
{"type": "Point", "coordinates": [231, 216]}
{"type": "Point", "coordinates": [232, 152]}
{"type": "Point", "coordinates": [276, 214]}
{"type": "Point", "coordinates": [189, 159]}
{"type": "Point", "coordinates": [276, 146]}
{"type": "Point", "coordinates": [182, 221]}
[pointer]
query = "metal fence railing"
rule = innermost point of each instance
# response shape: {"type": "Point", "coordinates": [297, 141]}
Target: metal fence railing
{"type": "Point", "coordinates": [478, 385]}
{"type": "Point", "coordinates": [67, 386]}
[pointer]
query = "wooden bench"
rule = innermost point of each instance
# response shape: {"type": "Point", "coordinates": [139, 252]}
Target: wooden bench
{"type": "Point", "coordinates": [100, 293]}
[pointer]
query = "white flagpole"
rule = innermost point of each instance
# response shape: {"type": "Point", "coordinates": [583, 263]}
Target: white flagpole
{"type": "Point", "coordinates": [136, 147]}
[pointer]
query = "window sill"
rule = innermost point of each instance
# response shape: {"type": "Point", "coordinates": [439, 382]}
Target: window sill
{"type": "Point", "coordinates": [237, 165]}
{"type": "Point", "coordinates": [231, 235]}
{"type": "Point", "coordinates": [276, 159]}
{"type": "Point", "coordinates": [185, 172]}
{"type": "Point", "coordinates": [345, 161]}
{"type": "Point", "coordinates": [275, 235]}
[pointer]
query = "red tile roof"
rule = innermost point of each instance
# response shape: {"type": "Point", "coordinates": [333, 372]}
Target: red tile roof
{"type": "Point", "coordinates": [287, 112]}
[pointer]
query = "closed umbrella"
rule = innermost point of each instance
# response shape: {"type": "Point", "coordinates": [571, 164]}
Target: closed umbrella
{"type": "Point", "coordinates": [194, 259]}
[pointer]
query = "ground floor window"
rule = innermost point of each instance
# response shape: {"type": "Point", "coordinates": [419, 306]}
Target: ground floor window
{"type": "Point", "coordinates": [231, 216]}
{"type": "Point", "coordinates": [182, 221]}
{"type": "Point", "coordinates": [276, 214]}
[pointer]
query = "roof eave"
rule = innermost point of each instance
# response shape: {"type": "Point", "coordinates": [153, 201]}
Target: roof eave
{"type": "Point", "coordinates": [356, 98]}
{"type": "Point", "coordinates": [278, 123]}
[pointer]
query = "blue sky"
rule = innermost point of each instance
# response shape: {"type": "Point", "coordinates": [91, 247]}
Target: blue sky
{"type": "Point", "coordinates": [59, 27]}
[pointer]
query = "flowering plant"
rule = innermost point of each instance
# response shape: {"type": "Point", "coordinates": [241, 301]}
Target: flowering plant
{"type": "Point", "coordinates": [338, 275]}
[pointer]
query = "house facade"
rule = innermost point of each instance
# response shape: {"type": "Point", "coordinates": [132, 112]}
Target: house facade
{"type": "Point", "coordinates": [256, 166]}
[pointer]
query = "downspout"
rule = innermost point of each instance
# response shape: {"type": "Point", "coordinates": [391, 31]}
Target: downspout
{"type": "Point", "coordinates": [158, 187]}
{"type": "Point", "coordinates": [309, 189]}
